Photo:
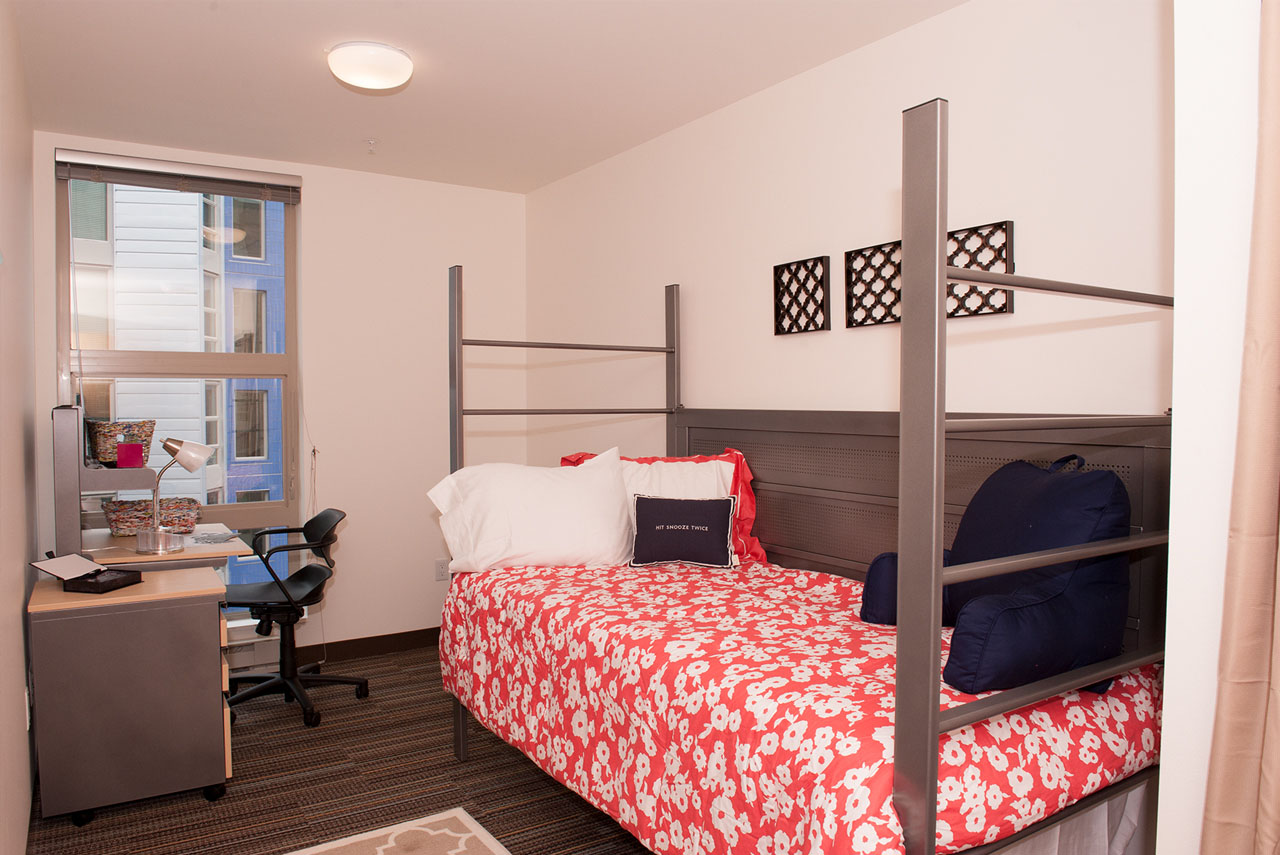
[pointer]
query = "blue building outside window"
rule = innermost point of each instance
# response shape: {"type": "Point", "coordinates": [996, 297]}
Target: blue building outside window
{"type": "Point", "coordinates": [253, 300]}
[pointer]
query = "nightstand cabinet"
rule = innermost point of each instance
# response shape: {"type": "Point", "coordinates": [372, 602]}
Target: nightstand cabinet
{"type": "Point", "coordinates": [127, 691]}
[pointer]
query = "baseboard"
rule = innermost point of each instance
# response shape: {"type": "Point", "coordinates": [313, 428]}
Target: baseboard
{"type": "Point", "coordinates": [354, 648]}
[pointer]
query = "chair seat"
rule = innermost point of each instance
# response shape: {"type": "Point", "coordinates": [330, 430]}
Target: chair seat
{"type": "Point", "coordinates": [305, 586]}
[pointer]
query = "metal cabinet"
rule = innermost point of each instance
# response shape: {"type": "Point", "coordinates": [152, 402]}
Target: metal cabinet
{"type": "Point", "coordinates": [128, 691]}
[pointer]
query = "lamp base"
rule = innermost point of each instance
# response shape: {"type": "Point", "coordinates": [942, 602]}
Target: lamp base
{"type": "Point", "coordinates": [159, 541]}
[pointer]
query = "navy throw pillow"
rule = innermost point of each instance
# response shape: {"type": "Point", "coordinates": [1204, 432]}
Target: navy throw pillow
{"type": "Point", "coordinates": [690, 531]}
{"type": "Point", "coordinates": [1020, 627]}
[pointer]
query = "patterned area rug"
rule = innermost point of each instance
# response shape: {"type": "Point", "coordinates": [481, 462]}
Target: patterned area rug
{"type": "Point", "coordinates": [453, 832]}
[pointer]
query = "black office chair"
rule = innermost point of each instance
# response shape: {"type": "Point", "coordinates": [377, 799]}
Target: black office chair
{"type": "Point", "coordinates": [281, 601]}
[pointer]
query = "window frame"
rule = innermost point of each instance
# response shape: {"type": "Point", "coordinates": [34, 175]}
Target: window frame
{"type": "Point", "coordinates": [218, 458]}
{"type": "Point", "coordinates": [210, 228]}
{"type": "Point", "coordinates": [119, 364]}
{"type": "Point", "coordinates": [261, 229]}
{"type": "Point", "coordinates": [262, 406]}
{"type": "Point", "coordinates": [210, 315]}
{"type": "Point", "coordinates": [257, 298]}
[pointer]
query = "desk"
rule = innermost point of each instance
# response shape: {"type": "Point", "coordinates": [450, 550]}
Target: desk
{"type": "Point", "coordinates": [98, 545]}
{"type": "Point", "coordinates": [127, 691]}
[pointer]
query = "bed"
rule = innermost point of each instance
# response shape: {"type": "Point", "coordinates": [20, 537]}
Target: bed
{"type": "Point", "coordinates": [746, 709]}
{"type": "Point", "coordinates": [749, 710]}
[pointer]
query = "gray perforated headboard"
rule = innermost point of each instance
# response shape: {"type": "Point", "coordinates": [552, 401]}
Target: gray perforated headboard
{"type": "Point", "coordinates": [826, 483]}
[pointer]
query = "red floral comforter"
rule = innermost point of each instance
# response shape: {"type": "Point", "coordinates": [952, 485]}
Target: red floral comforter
{"type": "Point", "coordinates": [751, 711]}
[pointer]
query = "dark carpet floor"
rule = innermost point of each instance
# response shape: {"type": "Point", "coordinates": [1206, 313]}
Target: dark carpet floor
{"type": "Point", "coordinates": [370, 763]}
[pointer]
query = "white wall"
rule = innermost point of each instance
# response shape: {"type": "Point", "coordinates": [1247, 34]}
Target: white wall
{"type": "Point", "coordinates": [1216, 78]}
{"type": "Point", "coordinates": [17, 443]}
{"type": "Point", "coordinates": [1061, 116]}
{"type": "Point", "coordinates": [373, 257]}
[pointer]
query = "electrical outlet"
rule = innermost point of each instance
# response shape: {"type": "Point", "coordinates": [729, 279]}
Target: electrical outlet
{"type": "Point", "coordinates": [442, 569]}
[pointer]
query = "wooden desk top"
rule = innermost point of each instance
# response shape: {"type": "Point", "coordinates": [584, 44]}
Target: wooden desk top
{"type": "Point", "coordinates": [98, 545]}
{"type": "Point", "coordinates": [48, 596]}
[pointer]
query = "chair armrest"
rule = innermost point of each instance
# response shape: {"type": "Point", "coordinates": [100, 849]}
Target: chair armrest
{"type": "Point", "coordinates": [285, 547]}
{"type": "Point", "coordinates": [267, 532]}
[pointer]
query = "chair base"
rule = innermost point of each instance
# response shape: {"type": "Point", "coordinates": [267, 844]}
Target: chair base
{"type": "Point", "coordinates": [295, 688]}
{"type": "Point", "coordinates": [292, 681]}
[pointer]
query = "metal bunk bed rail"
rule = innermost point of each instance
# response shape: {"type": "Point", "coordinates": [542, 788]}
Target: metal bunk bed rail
{"type": "Point", "coordinates": [559, 345]}
{"type": "Point", "coordinates": [1031, 560]}
{"type": "Point", "coordinates": [671, 350]}
{"type": "Point", "coordinates": [568, 412]}
{"type": "Point", "coordinates": [1014, 282]}
{"type": "Point", "coordinates": [983, 424]}
{"type": "Point", "coordinates": [1012, 699]}
{"type": "Point", "coordinates": [923, 428]}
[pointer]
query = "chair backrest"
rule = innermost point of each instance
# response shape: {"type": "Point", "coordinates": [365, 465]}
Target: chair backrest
{"type": "Point", "coordinates": [319, 532]}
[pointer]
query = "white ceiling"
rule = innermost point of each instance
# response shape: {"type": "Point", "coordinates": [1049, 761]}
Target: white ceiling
{"type": "Point", "coordinates": [507, 94]}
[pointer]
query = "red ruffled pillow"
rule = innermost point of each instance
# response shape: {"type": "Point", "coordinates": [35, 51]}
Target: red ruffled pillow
{"type": "Point", "coordinates": [745, 545]}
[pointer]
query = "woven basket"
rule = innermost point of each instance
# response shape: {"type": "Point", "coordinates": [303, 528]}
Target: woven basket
{"type": "Point", "coordinates": [104, 435]}
{"type": "Point", "coordinates": [126, 518]}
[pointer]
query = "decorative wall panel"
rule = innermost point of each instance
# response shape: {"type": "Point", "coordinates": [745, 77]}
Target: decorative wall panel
{"type": "Point", "coordinates": [873, 286]}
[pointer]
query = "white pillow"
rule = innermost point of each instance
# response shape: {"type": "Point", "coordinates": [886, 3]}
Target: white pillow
{"type": "Point", "coordinates": [677, 479]}
{"type": "Point", "coordinates": [506, 515]}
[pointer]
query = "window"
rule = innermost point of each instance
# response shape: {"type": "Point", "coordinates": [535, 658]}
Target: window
{"type": "Point", "coordinates": [209, 236]}
{"type": "Point", "coordinates": [250, 569]}
{"type": "Point", "coordinates": [210, 302]}
{"type": "Point", "coordinates": [95, 397]}
{"type": "Point", "coordinates": [213, 419]}
{"type": "Point", "coordinates": [88, 210]}
{"type": "Point", "coordinates": [160, 316]}
{"type": "Point", "coordinates": [249, 322]}
{"type": "Point", "coordinates": [246, 228]}
{"type": "Point", "coordinates": [251, 423]}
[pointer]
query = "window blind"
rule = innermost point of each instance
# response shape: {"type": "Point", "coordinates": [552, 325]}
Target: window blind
{"type": "Point", "coordinates": [174, 175]}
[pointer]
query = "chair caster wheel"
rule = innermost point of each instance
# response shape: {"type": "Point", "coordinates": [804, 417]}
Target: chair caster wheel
{"type": "Point", "coordinates": [213, 792]}
{"type": "Point", "coordinates": [288, 697]}
{"type": "Point", "coordinates": [311, 718]}
{"type": "Point", "coordinates": [233, 716]}
{"type": "Point", "coordinates": [81, 818]}
{"type": "Point", "coordinates": [362, 691]}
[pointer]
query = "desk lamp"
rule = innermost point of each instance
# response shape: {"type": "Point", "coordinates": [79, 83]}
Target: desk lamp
{"type": "Point", "coordinates": [159, 540]}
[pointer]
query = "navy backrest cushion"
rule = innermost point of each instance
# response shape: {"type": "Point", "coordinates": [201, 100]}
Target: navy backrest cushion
{"type": "Point", "coordinates": [1020, 627]}
{"type": "Point", "coordinates": [880, 591]}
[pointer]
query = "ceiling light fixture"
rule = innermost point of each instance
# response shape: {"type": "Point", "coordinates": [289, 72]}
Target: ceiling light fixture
{"type": "Point", "coordinates": [370, 65]}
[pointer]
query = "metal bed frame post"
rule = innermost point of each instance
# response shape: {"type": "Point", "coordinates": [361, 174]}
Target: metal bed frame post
{"type": "Point", "coordinates": [920, 472]}
{"type": "Point", "coordinates": [457, 409]}
{"type": "Point", "coordinates": [455, 454]}
{"type": "Point", "coordinates": [673, 365]}
{"type": "Point", "coordinates": [923, 426]}
{"type": "Point", "coordinates": [455, 368]}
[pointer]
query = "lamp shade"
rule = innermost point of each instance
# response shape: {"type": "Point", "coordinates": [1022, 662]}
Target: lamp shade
{"type": "Point", "coordinates": [370, 65]}
{"type": "Point", "coordinates": [186, 453]}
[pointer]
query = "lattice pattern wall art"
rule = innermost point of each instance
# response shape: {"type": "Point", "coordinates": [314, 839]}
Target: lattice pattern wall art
{"type": "Point", "coordinates": [873, 287]}
{"type": "Point", "coordinates": [802, 296]}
